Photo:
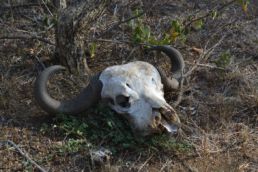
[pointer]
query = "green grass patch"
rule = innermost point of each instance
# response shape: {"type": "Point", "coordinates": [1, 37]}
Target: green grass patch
{"type": "Point", "coordinates": [103, 127]}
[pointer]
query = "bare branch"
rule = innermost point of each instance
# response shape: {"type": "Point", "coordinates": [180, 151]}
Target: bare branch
{"type": "Point", "coordinates": [204, 55]}
{"type": "Point", "coordinates": [209, 13]}
{"type": "Point", "coordinates": [126, 20]}
{"type": "Point", "coordinates": [28, 37]}
{"type": "Point", "coordinates": [24, 154]}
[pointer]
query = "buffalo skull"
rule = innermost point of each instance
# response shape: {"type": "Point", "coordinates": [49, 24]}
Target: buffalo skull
{"type": "Point", "coordinates": [134, 90]}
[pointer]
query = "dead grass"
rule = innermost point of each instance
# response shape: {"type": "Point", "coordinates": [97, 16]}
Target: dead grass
{"type": "Point", "coordinates": [218, 109]}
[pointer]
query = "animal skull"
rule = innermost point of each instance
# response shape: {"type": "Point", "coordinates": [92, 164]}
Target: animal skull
{"type": "Point", "coordinates": [134, 90]}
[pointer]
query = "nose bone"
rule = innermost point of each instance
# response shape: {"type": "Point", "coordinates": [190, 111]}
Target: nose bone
{"type": "Point", "coordinates": [156, 119]}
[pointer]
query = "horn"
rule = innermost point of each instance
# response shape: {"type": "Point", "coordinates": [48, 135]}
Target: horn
{"type": "Point", "coordinates": [177, 66]}
{"type": "Point", "coordinates": [88, 97]}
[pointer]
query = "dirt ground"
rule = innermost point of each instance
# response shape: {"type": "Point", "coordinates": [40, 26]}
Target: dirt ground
{"type": "Point", "coordinates": [219, 106]}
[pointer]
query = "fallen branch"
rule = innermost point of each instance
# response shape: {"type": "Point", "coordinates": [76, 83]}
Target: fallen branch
{"type": "Point", "coordinates": [24, 154]}
{"type": "Point", "coordinates": [28, 37]}
{"type": "Point", "coordinates": [206, 65]}
{"type": "Point", "coordinates": [21, 6]}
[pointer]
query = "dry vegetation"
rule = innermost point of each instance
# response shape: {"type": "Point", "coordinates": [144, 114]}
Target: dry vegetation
{"type": "Point", "coordinates": [219, 103]}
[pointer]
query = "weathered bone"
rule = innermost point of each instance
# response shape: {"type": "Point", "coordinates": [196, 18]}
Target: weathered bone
{"type": "Point", "coordinates": [134, 90]}
{"type": "Point", "coordinates": [88, 96]}
{"type": "Point", "coordinates": [177, 67]}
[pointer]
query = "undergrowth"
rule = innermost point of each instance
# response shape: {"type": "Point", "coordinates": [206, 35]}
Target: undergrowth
{"type": "Point", "coordinates": [107, 129]}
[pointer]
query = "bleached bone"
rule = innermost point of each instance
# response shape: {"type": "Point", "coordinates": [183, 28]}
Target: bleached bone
{"type": "Point", "coordinates": [134, 90]}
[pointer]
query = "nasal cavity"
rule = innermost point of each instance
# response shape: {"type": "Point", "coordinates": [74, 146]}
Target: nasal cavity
{"type": "Point", "coordinates": [123, 101]}
{"type": "Point", "coordinates": [157, 118]}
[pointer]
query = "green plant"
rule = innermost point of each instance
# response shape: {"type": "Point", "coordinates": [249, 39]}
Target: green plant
{"type": "Point", "coordinates": [108, 129]}
{"type": "Point", "coordinates": [244, 4]}
{"type": "Point", "coordinates": [224, 59]}
{"type": "Point", "coordinates": [166, 143]}
{"type": "Point", "coordinates": [73, 146]}
{"type": "Point", "coordinates": [49, 21]}
{"type": "Point", "coordinates": [28, 167]}
{"type": "Point", "coordinates": [198, 24]}
{"type": "Point", "coordinates": [93, 47]}
{"type": "Point", "coordinates": [141, 33]}
{"type": "Point", "coordinates": [70, 125]}
{"type": "Point", "coordinates": [177, 31]}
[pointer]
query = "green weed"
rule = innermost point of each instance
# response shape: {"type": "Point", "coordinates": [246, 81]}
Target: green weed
{"type": "Point", "coordinates": [163, 142]}
{"type": "Point", "coordinates": [73, 146]}
{"type": "Point", "coordinates": [224, 59]}
{"type": "Point", "coordinates": [108, 129]}
{"type": "Point", "coordinates": [141, 33]}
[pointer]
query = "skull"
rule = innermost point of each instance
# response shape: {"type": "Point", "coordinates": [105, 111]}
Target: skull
{"type": "Point", "coordinates": [134, 90]}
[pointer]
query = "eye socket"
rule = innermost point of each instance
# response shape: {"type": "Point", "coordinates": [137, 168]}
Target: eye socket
{"type": "Point", "coordinates": [128, 85]}
{"type": "Point", "coordinates": [123, 101]}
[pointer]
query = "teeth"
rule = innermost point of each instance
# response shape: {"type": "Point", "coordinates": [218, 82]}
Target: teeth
{"type": "Point", "coordinates": [169, 127]}
{"type": "Point", "coordinates": [170, 120]}
{"type": "Point", "coordinates": [169, 114]}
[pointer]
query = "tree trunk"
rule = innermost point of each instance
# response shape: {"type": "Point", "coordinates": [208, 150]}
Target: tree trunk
{"type": "Point", "coordinates": [76, 17]}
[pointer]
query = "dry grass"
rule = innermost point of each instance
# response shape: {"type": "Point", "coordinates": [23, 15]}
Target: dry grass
{"type": "Point", "coordinates": [218, 109]}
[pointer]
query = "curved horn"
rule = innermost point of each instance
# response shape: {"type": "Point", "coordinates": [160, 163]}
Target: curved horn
{"type": "Point", "coordinates": [87, 97]}
{"type": "Point", "coordinates": [177, 66]}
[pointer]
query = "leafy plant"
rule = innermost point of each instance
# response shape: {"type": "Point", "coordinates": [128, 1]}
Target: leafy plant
{"type": "Point", "coordinates": [49, 21]}
{"type": "Point", "coordinates": [71, 125]}
{"type": "Point", "coordinates": [93, 47]}
{"type": "Point", "coordinates": [73, 146]}
{"type": "Point", "coordinates": [109, 129]}
{"type": "Point", "coordinates": [198, 24]}
{"type": "Point", "coordinates": [170, 144]}
{"type": "Point", "coordinates": [244, 4]}
{"type": "Point", "coordinates": [141, 33]}
{"type": "Point", "coordinates": [177, 31]}
{"type": "Point", "coordinates": [214, 14]}
{"type": "Point", "coordinates": [224, 59]}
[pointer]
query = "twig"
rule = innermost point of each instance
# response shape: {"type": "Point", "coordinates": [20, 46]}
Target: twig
{"type": "Point", "coordinates": [206, 65]}
{"type": "Point", "coordinates": [141, 167]}
{"type": "Point", "coordinates": [28, 37]}
{"type": "Point", "coordinates": [165, 165]}
{"type": "Point", "coordinates": [20, 6]}
{"type": "Point", "coordinates": [24, 154]}
{"type": "Point", "coordinates": [47, 7]}
{"type": "Point", "coordinates": [204, 55]}
{"type": "Point", "coordinates": [118, 41]}
{"type": "Point", "coordinates": [209, 13]}
{"type": "Point", "coordinates": [120, 22]}
{"type": "Point", "coordinates": [187, 166]}
{"type": "Point", "coordinates": [126, 20]}
{"type": "Point", "coordinates": [180, 94]}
